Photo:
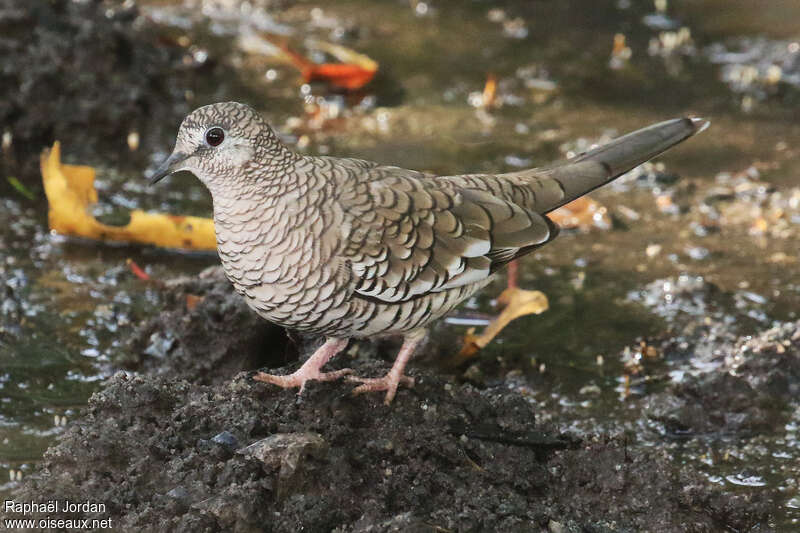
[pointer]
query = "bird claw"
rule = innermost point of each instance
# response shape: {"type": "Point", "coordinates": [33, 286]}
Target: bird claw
{"type": "Point", "coordinates": [388, 383]}
{"type": "Point", "coordinates": [300, 377]}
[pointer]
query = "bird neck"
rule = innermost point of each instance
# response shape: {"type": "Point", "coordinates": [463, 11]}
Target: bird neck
{"type": "Point", "coordinates": [276, 192]}
{"type": "Point", "coordinates": [262, 175]}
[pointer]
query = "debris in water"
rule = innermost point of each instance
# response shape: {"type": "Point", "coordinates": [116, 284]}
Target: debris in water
{"type": "Point", "coordinates": [620, 52]}
{"type": "Point", "coordinates": [133, 141]}
{"type": "Point", "coordinates": [137, 270]}
{"type": "Point", "coordinates": [354, 72]}
{"type": "Point", "coordinates": [582, 214]}
{"type": "Point", "coordinates": [489, 91]}
{"type": "Point", "coordinates": [20, 187]}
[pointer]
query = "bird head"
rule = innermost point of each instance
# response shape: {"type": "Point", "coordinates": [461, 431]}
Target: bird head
{"type": "Point", "coordinates": [217, 141]}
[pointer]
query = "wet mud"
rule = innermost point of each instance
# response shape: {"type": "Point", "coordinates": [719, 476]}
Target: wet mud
{"type": "Point", "coordinates": [192, 443]}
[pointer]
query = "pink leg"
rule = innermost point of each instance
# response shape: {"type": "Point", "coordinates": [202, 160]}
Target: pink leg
{"type": "Point", "coordinates": [311, 368]}
{"type": "Point", "coordinates": [395, 376]}
{"type": "Point", "coordinates": [513, 274]}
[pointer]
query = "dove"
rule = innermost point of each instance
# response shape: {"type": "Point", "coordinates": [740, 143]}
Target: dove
{"type": "Point", "coordinates": [349, 249]}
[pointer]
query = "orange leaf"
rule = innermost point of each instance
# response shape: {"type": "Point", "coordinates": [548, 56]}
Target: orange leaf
{"type": "Point", "coordinates": [341, 75]}
{"type": "Point", "coordinates": [192, 300]}
{"type": "Point", "coordinates": [354, 71]}
{"type": "Point", "coordinates": [489, 91]}
{"type": "Point", "coordinates": [517, 302]}
{"type": "Point", "coordinates": [582, 213]}
{"type": "Point", "coordinates": [137, 270]}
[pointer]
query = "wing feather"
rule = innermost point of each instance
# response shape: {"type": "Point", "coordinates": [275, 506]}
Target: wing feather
{"type": "Point", "coordinates": [430, 234]}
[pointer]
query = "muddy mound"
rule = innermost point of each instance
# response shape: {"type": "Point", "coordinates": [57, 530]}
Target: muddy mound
{"type": "Point", "coordinates": [194, 444]}
{"type": "Point", "coordinates": [167, 455]}
{"type": "Point", "coordinates": [205, 333]}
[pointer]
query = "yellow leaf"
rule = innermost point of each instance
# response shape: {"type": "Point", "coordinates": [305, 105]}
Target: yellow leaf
{"type": "Point", "coordinates": [517, 302]}
{"type": "Point", "coordinates": [70, 192]}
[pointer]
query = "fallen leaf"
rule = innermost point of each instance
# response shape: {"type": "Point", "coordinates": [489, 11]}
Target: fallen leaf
{"type": "Point", "coordinates": [192, 301]}
{"type": "Point", "coordinates": [137, 270]}
{"type": "Point", "coordinates": [619, 44]}
{"type": "Point", "coordinates": [664, 203]}
{"type": "Point", "coordinates": [345, 55]}
{"type": "Point", "coordinates": [70, 192]}
{"type": "Point", "coordinates": [489, 91]}
{"type": "Point", "coordinates": [518, 302]}
{"type": "Point", "coordinates": [582, 214]}
{"type": "Point", "coordinates": [354, 71]}
{"type": "Point", "coordinates": [341, 75]}
{"type": "Point", "coordinates": [759, 226]}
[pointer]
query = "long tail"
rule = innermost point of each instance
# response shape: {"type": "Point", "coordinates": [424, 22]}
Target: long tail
{"type": "Point", "coordinates": [560, 184]}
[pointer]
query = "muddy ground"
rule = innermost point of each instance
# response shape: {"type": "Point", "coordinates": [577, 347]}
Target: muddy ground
{"type": "Point", "coordinates": [191, 443]}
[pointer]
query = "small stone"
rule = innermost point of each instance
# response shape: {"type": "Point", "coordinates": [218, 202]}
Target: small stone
{"type": "Point", "coordinates": [133, 141]}
{"type": "Point", "coordinates": [698, 253]}
{"type": "Point", "coordinates": [288, 453]}
{"type": "Point", "coordinates": [226, 439]}
{"type": "Point", "coordinates": [590, 389]}
{"type": "Point", "coordinates": [474, 374]}
{"type": "Point", "coordinates": [178, 493]}
{"type": "Point", "coordinates": [652, 250]}
{"type": "Point", "coordinates": [160, 345]}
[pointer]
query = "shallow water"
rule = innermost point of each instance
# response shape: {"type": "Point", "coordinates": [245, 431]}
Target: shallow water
{"type": "Point", "coordinates": [75, 300]}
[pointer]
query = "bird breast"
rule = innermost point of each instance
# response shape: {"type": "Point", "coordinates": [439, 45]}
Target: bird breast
{"type": "Point", "coordinates": [279, 253]}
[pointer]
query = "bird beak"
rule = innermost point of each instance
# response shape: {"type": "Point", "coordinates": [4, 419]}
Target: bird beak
{"type": "Point", "coordinates": [172, 164]}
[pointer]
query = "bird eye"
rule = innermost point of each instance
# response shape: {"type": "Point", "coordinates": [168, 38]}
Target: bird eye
{"type": "Point", "coordinates": [215, 136]}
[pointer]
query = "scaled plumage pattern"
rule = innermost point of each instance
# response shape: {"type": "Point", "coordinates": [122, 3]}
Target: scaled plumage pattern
{"type": "Point", "coordinates": [348, 248]}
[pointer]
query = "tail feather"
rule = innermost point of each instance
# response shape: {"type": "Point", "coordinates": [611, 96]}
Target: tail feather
{"type": "Point", "coordinates": [565, 182]}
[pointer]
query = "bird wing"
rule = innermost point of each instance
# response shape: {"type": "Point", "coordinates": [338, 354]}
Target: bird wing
{"type": "Point", "coordinates": [409, 234]}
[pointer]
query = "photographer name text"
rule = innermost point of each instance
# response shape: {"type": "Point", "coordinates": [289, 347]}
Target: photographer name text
{"type": "Point", "coordinates": [53, 506]}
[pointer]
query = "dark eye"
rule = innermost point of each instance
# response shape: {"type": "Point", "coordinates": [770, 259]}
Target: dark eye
{"type": "Point", "coordinates": [215, 136]}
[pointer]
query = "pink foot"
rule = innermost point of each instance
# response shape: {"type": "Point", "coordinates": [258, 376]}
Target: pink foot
{"type": "Point", "coordinates": [299, 378]}
{"type": "Point", "coordinates": [389, 383]}
{"type": "Point", "coordinates": [311, 368]}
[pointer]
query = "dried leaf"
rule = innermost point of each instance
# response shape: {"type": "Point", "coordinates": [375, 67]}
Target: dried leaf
{"type": "Point", "coordinates": [350, 77]}
{"type": "Point", "coordinates": [137, 270]}
{"type": "Point", "coordinates": [664, 203]}
{"type": "Point", "coordinates": [489, 91]}
{"type": "Point", "coordinates": [759, 226]}
{"type": "Point", "coordinates": [354, 71]}
{"type": "Point", "coordinates": [70, 192]}
{"type": "Point", "coordinates": [345, 55]}
{"type": "Point", "coordinates": [192, 301]}
{"type": "Point", "coordinates": [517, 302]}
{"type": "Point", "coordinates": [581, 214]}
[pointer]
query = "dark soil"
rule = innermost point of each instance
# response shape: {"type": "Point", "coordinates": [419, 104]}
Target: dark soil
{"type": "Point", "coordinates": [88, 74]}
{"type": "Point", "coordinates": [225, 453]}
{"type": "Point", "coordinates": [193, 341]}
